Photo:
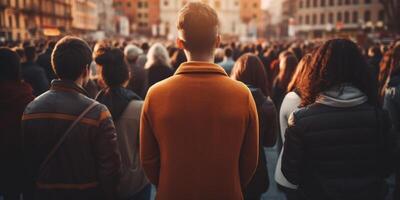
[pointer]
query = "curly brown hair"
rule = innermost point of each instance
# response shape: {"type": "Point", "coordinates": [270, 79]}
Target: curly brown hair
{"type": "Point", "coordinates": [337, 62]}
{"type": "Point", "coordinates": [389, 67]}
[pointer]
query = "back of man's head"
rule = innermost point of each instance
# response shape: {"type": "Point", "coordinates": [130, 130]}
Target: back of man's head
{"type": "Point", "coordinates": [228, 52]}
{"type": "Point", "coordinates": [10, 65]}
{"type": "Point", "coordinates": [51, 44]}
{"type": "Point", "coordinates": [30, 53]}
{"type": "Point", "coordinates": [71, 57]}
{"type": "Point", "coordinates": [198, 27]}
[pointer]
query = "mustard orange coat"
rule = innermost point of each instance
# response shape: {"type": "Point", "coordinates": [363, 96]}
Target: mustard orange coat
{"type": "Point", "coordinates": [199, 135]}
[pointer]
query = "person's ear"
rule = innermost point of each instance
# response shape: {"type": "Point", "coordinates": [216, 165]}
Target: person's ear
{"type": "Point", "coordinates": [218, 41]}
{"type": "Point", "coordinates": [179, 43]}
{"type": "Point", "coordinates": [86, 73]}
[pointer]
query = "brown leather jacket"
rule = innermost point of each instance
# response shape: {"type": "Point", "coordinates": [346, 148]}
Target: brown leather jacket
{"type": "Point", "coordinates": [87, 164]}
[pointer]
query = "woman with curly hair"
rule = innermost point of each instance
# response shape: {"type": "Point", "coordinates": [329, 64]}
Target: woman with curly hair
{"type": "Point", "coordinates": [337, 146]}
{"type": "Point", "coordinates": [391, 98]}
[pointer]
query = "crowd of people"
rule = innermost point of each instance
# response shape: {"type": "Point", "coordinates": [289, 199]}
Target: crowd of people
{"type": "Point", "coordinates": [109, 120]}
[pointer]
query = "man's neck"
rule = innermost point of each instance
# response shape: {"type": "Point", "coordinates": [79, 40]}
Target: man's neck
{"type": "Point", "coordinates": [199, 58]}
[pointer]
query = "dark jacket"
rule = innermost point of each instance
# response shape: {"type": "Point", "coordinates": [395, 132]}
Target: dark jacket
{"type": "Point", "coordinates": [337, 153]}
{"type": "Point", "coordinates": [392, 105]}
{"type": "Point", "coordinates": [13, 99]}
{"type": "Point", "coordinates": [278, 93]}
{"type": "Point", "coordinates": [34, 75]}
{"type": "Point", "coordinates": [267, 117]}
{"type": "Point", "coordinates": [87, 164]}
{"type": "Point", "coordinates": [157, 73]}
{"type": "Point", "coordinates": [44, 60]}
{"type": "Point", "coordinates": [116, 99]}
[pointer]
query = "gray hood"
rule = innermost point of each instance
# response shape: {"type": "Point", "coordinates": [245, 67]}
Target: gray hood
{"type": "Point", "coordinates": [342, 96]}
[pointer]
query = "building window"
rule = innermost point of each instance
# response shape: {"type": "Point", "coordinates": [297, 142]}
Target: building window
{"type": "Point", "coordinates": [308, 3]}
{"type": "Point", "coordinates": [322, 19]}
{"type": "Point", "coordinates": [1, 21]}
{"type": "Point", "coordinates": [340, 2]}
{"type": "Point", "coordinates": [346, 17]}
{"type": "Point", "coordinates": [314, 19]}
{"type": "Point", "coordinates": [339, 17]}
{"type": "Point", "coordinates": [355, 17]}
{"type": "Point", "coordinates": [307, 19]}
{"type": "Point", "coordinates": [367, 1]}
{"type": "Point", "coordinates": [300, 19]}
{"type": "Point", "coordinates": [301, 4]}
{"type": "Point", "coordinates": [330, 19]}
{"type": "Point", "coordinates": [331, 2]}
{"type": "Point", "coordinates": [315, 3]}
{"type": "Point", "coordinates": [347, 2]}
{"type": "Point", "coordinates": [367, 16]}
{"type": "Point", "coordinates": [140, 4]}
{"type": "Point", "coordinates": [10, 21]}
{"type": "Point", "coordinates": [217, 5]}
{"type": "Point", "coordinates": [323, 2]}
{"type": "Point", "coordinates": [255, 5]}
{"type": "Point", "coordinates": [17, 20]}
{"type": "Point", "coordinates": [355, 2]}
{"type": "Point", "coordinates": [166, 3]}
{"type": "Point", "coordinates": [381, 15]}
{"type": "Point", "coordinates": [128, 4]}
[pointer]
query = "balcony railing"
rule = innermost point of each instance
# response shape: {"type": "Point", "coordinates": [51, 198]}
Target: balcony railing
{"type": "Point", "coordinates": [31, 8]}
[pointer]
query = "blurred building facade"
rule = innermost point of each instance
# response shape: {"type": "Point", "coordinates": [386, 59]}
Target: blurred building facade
{"type": "Point", "coordinates": [106, 17]}
{"type": "Point", "coordinates": [29, 19]}
{"type": "Point", "coordinates": [143, 15]}
{"type": "Point", "coordinates": [253, 16]}
{"type": "Point", "coordinates": [240, 18]}
{"type": "Point", "coordinates": [85, 16]}
{"type": "Point", "coordinates": [317, 18]}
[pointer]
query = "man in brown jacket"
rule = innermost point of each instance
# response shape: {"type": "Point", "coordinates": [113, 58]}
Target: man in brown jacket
{"type": "Point", "coordinates": [199, 129]}
{"type": "Point", "coordinates": [87, 164]}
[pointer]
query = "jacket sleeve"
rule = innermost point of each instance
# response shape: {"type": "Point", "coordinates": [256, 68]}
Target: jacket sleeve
{"type": "Point", "coordinates": [149, 149]}
{"type": "Point", "coordinates": [293, 152]}
{"type": "Point", "coordinates": [250, 146]}
{"type": "Point", "coordinates": [392, 144]}
{"type": "Point", "coordinates": [107, 154]}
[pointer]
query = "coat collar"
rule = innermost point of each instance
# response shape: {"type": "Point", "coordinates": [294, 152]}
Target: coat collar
{"type": "Point", "coordinates": [200, 67]}
{"type": "Point", "coordinates": [67, 86]}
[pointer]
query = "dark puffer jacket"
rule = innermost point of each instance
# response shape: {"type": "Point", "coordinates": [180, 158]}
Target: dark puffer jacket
{"type": "Point", "coordinates": [87, 165]}
{"type": "Point", "coordinates": [337, 153]}
{"type": "Point", "coordinates": [392, 105]}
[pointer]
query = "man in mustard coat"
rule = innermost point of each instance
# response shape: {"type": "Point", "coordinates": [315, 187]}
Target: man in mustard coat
{"type": "Point", "coordinates": [199, 128]}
